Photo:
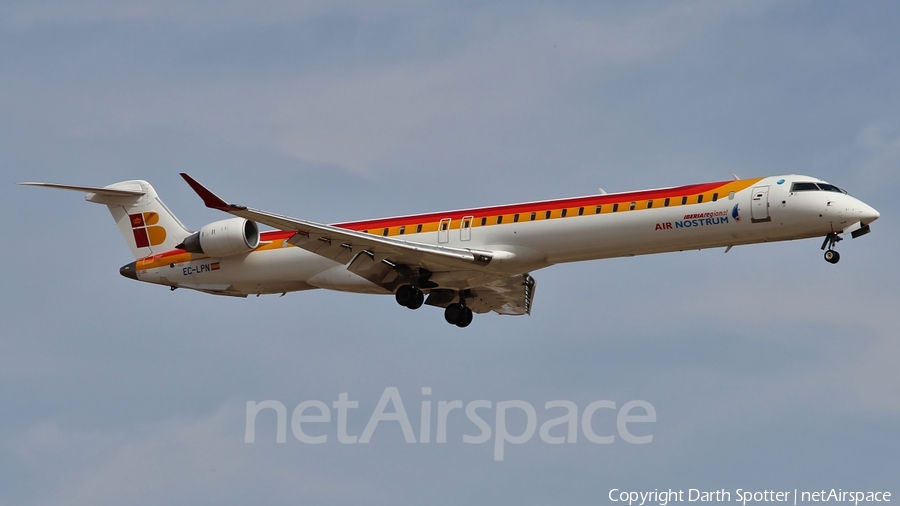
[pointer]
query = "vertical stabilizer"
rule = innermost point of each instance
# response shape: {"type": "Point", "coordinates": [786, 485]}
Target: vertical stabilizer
{"type": "Point", "coordinates": [144, 221]}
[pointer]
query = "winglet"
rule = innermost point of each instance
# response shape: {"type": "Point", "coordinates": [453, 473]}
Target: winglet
{"type": "Point", "coordinates": [209, 198]}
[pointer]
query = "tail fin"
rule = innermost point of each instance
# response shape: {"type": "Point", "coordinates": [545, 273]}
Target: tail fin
{"type": "Point", "coordinates": [144, 221]}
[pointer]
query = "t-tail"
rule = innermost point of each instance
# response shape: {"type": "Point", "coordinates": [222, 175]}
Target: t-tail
{"type": "Point", "coordinates": [144, 221]}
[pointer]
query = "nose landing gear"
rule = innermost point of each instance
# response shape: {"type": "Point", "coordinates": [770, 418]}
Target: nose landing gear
{"type": "Point", "coordinates": [831, 256]}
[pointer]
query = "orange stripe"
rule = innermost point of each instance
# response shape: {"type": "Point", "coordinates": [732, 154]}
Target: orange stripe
{"type": "Point", "coordinates": [621, 202]}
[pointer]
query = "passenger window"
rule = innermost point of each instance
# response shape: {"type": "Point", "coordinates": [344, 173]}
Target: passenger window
{"type": "Point", "coordinates": [384, 232]}
{"type": "Point", "coordinates": [683, 200]}
{"type": "Point", "coordinates": [580, 211]}
{"type": "Point", "coordinates": [465, 224]}
{"type": "Point", "coordinates": [443, 226]}
{"type": "Point", "coordinates": [499, 220]}
{"type": "Point", "coordinates": [615, 208]}
{"type": "Point", "coordinates": [547, 215]}
{"type": "Point", "coordinates": [533, 216]}
{"type": "Point", "coordinates": [649, 204]}
{"type": "Point", "coordinates": [715, 197]}
{"type": "Point", "coordinates": [563, 213]}
{"type": "Point", "coordinates": [419, 228]}
{"type": "Point", "coordinates": [597, 211]}
{"type": "Point", "coordinates": [483, 221]}
{"type": "Point", "coordinates": [515, 218]}
{"type": "Point", "coordinates": [666, 203]}
{"type": "Point", "coordinates": [402, 230]}
{"type": "Point", "coordinates": [699, 199]}
{"type": "Point", "coordinates": [631, 207]}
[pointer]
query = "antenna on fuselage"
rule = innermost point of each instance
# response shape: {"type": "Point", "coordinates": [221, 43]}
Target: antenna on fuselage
{"type": "Point", "coordinates": [602, 191]}
{"type": "Point", "coordinates": [736, 178]}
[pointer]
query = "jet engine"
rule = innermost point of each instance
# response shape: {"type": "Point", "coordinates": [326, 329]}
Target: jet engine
{"type": "Point", "coordinates": [223, 238]}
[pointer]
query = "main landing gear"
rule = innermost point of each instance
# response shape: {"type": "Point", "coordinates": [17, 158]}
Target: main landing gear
{"type": "Point", "coordinates": [456, 313]}
{"type": "Point", "coordinates": [831, 256]}
{"type": "Point", "coordinates": [410, 296]}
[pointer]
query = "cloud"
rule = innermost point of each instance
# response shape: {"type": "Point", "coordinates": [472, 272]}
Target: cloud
{"type": "Point", "coordinates": [194, 13]}
{"type": "Point", "coordinates": [878, 153]}
{"type": "Point", "coordinates": [500, 86]}
{"type": "Point", "coordinates": [179, 460]}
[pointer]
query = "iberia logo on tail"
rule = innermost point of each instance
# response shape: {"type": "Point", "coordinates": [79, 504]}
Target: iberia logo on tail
{"type": "Point", "coordinates": [145, 232]}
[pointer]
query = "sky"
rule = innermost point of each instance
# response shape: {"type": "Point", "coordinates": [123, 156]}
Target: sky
{"type": "Point", "coordinates": [767, 368]}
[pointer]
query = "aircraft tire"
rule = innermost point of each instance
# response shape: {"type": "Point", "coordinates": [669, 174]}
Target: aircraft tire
{"type": "Point", "coordinates": [465, 319]}
{"type": "Point", "coordinates": [453, 313]}
{"type": "Point", "coordinates": [405, 294]}
{"type": "Point", "coordinates": [417, 300]}
{"type": "Point", "coordinates": [832, 256]}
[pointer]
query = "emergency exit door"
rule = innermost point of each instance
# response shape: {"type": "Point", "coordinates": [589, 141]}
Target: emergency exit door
{"type": "Point", "coordinates": [759, 205]}
{"type": "Point", "coordinates": [465, 229]}
{"type": "Point", "coordinates": [444, 231]}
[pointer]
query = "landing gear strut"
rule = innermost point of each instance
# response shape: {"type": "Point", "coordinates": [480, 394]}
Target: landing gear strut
{"type": "Point", "coordinates": [831, 256]}
{"type": "Point", "coordinates": [458, 314]}
{"type": "Point", "coordinates": [410, 296]}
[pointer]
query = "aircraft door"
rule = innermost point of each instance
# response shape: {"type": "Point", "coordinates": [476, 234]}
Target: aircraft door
{"type": "Point", "coordinates": [759, 206]}
{"type": "Point", "coordinates": [465, 229]}
{"type": "Point", "coordinates": [444, 231]}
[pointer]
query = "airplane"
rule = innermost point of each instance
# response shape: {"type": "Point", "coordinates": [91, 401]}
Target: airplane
{"type": "Point", "coordinates": [465, 261]}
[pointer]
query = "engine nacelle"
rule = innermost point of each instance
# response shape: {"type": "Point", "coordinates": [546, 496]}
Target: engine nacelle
{"type": "Point", "coordinates": [223, 238]}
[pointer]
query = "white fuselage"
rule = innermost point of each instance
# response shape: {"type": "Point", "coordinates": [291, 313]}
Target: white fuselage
{"type": "Point", "coordinates": [766, 210]}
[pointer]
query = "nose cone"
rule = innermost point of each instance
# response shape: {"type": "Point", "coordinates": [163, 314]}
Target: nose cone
{"type": "Point", "coordinates": [129, 271]}
{"type": "Point", "coordinates": [869, 214]}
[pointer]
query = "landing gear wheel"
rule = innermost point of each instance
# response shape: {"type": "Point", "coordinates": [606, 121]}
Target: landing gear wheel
{"type": "Point", "coordinates": [410, 297]}
{"type": "Point", "coordinates": [465, 319]}
{"type": "Point", "coordinates": [454, 312]}
{"type": "Point", "coordinates": [405, 294]}
{"type": "Point", "coordinates": [417, 301]}
{"type": "Point", "coordinates": [831, 256]}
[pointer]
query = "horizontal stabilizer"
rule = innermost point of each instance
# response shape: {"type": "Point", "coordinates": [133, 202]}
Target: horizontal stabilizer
{"type": "Point", "coordinates": [107, 192]}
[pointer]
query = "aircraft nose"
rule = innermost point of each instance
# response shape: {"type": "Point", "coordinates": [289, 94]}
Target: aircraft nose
{"type": "Point", "coordinates": [129, 271]}
{"type": "Point", "coordinates": [869, 214]}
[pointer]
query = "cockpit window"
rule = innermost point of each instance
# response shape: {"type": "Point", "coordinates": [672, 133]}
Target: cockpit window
{"type": "Point", "coordinates": [830, 188]}
{"type": "Point", "coordinates": [809, 186]}
{"type": "Point", "coordinates": [804, 187]}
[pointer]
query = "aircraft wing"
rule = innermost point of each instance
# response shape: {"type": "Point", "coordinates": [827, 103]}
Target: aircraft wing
{"type": "Point", "coordinates": [341, 245]}
{"type": "Point", "coordinates": [510, 295]}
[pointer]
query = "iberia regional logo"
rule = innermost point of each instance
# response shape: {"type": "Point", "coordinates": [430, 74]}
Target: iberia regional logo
{"type": "Point", "coordinates": [146, 232]}
{"type": "Point", "coordinates": [736, 213]}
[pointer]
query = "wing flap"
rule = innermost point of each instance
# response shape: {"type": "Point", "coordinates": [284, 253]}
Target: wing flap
{"type": "Point", "coordinates": [511, 295]}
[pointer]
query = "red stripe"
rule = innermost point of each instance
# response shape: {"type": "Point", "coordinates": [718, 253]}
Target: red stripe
{"type": "Point", "coordinates": [587, 202]}
{"type": "Point", "coordinates": [529, 207]}
{"type": "Point", "coordinates": [275, 235]}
